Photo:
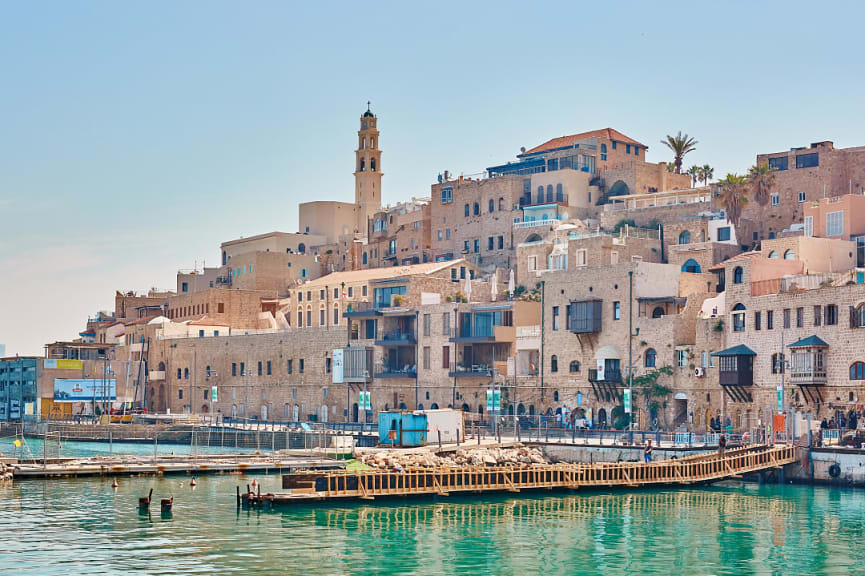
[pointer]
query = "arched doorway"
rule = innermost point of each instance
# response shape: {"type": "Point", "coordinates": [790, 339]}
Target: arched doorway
{"type": "Point", "coordinates": [511, 410]}
{"type": "Point", "coordinates": [264, 412]}
{"type": "Point", "coordinates": [691, 266]}
{"type": "Point", "coordinates": [521, 409]}
{"type": "Point", "coordinates": [420, 406]}
{"type": "Point", "coordinates": [402, 406]}
{"type": "Point", "coordinates": [466, 408]}
{"type": "Point", "coordinates": [434, 406]}
{"type": "Point", "coordinates": [296, 413]}
{"type": "Point", "coordinates": [619, 189]}
{"type": "Point", "coordinates": [602, 418]}
{"type": "Point", "coordinates": [204, 408]}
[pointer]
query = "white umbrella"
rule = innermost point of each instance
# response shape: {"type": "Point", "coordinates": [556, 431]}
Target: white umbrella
{"type": "Point", "coordinates": [511, 283]}
{"type": "Point", "coordinates": [468, 289]}
{"type": "Point", "coordinates": [494, 289]}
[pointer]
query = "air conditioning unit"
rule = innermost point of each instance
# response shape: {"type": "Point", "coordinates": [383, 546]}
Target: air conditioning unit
{"type": "Point", "coordinates": [699, 372]}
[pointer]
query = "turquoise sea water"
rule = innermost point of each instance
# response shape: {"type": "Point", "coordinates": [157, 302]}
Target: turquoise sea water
{"type": "Point", "coordinates": [33, 447]}
{"type": "Point", "coordinates": [84, 526]}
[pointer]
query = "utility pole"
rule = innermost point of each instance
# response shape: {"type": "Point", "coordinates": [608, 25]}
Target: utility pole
{"type": "Point", "coordinates": [543, 316]}
{"type": "Point", "coordinates": [192, 381]}
{"type": "Point", "coordinates": [416, 357]}
{"type": "Point", "coordinates": [246, 391]}
{"type": "Point", "coordinates": [631, 348]}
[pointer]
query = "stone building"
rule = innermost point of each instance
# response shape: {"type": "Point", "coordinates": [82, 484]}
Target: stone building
{"type": "Point", "coordinates": [399, 235]}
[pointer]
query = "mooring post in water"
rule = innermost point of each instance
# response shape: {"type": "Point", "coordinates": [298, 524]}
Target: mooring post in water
{"type": "Point", "coordinates": [440, 439]}
{"type": "Point", "coordinates": [155, 443]}
{"type": "Point", "coordinates": [238, 495]}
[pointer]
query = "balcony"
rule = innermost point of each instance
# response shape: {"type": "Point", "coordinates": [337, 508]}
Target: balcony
{"type": "Point", "coordinates": [585, 316]}
{"type": "Point", "coordinates": [808, 377]}
{"type": "Point", "coordinates": [361, 310]}
{"type": "Point", "coordinates": [395, 371]}
{"type": "Point", "coordinates": [609, 376]}
{"type": "Point", "coordinates": [485, 335]}
{"type": "Point", "coordinates": [471, 371]}
{"type": "Point", "coordinates": [396, 338]}
{"type": "Point", "coordinates": [156, 375]}
{"type": "Point", "coordinates": [536, 223]}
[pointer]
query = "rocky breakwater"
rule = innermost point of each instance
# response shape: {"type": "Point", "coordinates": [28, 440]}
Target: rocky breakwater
{"type": "Point", "coordinates": [478, 457]}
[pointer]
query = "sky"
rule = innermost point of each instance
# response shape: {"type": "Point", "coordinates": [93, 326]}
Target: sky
{"type": "Point", "coordinates": [136, 137]}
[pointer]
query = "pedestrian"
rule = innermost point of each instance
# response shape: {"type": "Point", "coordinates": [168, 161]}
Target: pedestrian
{"type": "Point", "coordinates": [647, 452]}
{"type": "Point", "coordinates": [712, 423]}
{"type": "Point", "coordinates": [722, 444]}
{"type": "Point", "coordinates": [824, 425]}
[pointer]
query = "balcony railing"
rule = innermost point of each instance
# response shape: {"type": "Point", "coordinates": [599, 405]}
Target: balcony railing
{"type": "Point", "coordinates": [535, 223]}
{"type": "Point", "coordinates": [736, 378]}
{"type": "Point", "coordinates": [360, 309]}
{"type": "Point", "coordinates": [156, 375]}
{"type": "Point", "coordinates": [609, 375]}
{"type": "Point", "coordinates": [395, 338]}
{"type": "Point", "coordinates": [809, 377]}
{"type": "Point", "coordinates": [464, 370]}
{"type": "Point", "coordinates": [395, 371]}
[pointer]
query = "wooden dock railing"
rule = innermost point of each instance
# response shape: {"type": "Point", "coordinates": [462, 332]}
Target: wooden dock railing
{"type": "Point", "coordinates": [370, 484]}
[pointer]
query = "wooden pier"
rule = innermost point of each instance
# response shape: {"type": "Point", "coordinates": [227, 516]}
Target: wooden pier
{"type": "Point", "coordinates": [442, 481]}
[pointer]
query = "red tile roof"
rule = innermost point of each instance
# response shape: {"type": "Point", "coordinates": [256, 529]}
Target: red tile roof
{"type": "Point", "coordinates": [564, 141]}
{"type": "Point", "coordinates": [205, 321]}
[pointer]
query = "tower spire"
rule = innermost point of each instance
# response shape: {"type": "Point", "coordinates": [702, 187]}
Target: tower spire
{"type": "Point", "coordinates": [367, 175]}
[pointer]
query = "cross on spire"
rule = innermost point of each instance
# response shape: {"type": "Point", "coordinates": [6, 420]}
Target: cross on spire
{"type": "Point", "coordinates": [367, 105]}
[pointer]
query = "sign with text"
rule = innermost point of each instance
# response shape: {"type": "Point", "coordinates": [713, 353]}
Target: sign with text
{"type": "Point", "coordinates": [336, 369]}
{"type": "Point", "coordinates": [780, 399]}
{"type": "Point", "coordinates": [67, 390]}
{"type": "Point", "coordinates": [494, 400]}
{"type": "Point", "coordinates": [363, 401]}
{"type": "Point", "coordinates": [53, 364]}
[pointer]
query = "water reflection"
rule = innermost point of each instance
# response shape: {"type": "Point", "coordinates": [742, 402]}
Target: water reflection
{"type": "Point", "coordinates": [70, 526]}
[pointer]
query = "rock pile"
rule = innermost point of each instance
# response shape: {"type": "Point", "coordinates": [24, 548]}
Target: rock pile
{"type": "Point", "coordinates": [390, 459]}
{"type": "Point", "coordinates": [5, 472]}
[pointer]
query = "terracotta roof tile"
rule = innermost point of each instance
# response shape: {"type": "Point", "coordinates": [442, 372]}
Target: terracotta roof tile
{"type": "Point", "coordinates": [565, 141]}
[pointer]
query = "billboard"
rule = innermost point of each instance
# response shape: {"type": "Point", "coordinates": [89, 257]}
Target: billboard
{"type": "Point", "coordinates": [52, 364]}
{"type": "Point", "coordinates": [67, 390]}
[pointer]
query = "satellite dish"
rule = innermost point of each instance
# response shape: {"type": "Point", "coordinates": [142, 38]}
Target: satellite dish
{"type": "Point", "coordinates": [522, 149]}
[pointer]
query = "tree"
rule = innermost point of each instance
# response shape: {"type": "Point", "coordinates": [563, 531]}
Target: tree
{"type": "Point", "coordinates": [694, 173]}
{"type": "Point", "coordinates": [734, 196]}
{"type": "Point", "coordinates": [680, 144]}
{"type": "Point", "coordinates": [761, 180]}
{"type": "Point", "coordinates": [706, 173]}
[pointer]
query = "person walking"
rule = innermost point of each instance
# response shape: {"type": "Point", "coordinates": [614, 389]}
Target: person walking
{"type": "Point", "coordinates": [647, 452]}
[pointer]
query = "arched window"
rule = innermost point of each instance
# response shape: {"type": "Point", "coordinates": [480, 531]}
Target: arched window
{"type": "Point", "coordinates": [603, 152]}
{"type": "Point", "coordinates": [554, 363]}
{"type": "Point", "coordinates": [492, 205]}
{"type": "Point", "coordinates": [467, 210]}
{"type": "Point", "coordinates": [860, 316]}
{"type": "Point", "coordinates": [372, 164]}
{"type": "Point", "coordinates": [477, 209]}
{"type": "Point", "coordinates": [737, 275]}
{"type": "Point", "coordinates": [540, 194]}
{"type": "Point", "coordinates": [362, 146]}
{"type": "Point", "coordinates": [691, 266]}
{"type": "Point", "coordinates": [739, 318]}
{"type": "Point", "coordinates": [336, 314]}
{"type": "Point", "coordinates": [685, 237]}
{"type": "Point", "coordinates": [560, 196]}
{"type": "Point", "coordinates": [857, 371]}
{"type": "Point", "coordinates": [658, 312]}
{"type": "Point", "coordinates": [789, 255]}
{"type": "Point", "coordinates": [575, 366]}
{"type": "Point", "coordinates": [301, 248]}
{"type": "Point", "coordinates": [773, 254]}
{"type": "Point", "coordinates": [549, 192]}
{"type": "Point", "coordinates": [362, 165]}
{"type": "Point", "coordinates": [651, 358]}
{"type": "Point", "coordinates": [372, 143]}
{"type": "Point", "coordinates": [501, 204]}
{"type": "Point", "coordinates": [186, 373]}
{"type": "Point", "coordinates": [300, 316]}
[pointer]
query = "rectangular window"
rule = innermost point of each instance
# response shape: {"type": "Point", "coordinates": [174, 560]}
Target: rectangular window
{"type": "Point", "coordinates": [243, 368]}
{"type": "Point", "coordinates": [477, 246]}
{"type": "Point", "coordinates": [259, 368]}
{"type": "Point", "coordinates": [711, 360]}
{"type": "Point", "coordinates": [288, 368]}
{"type": "Point", "coordinates": [532, 263]}
{"type": "Point", "coordinates": [336, 316]}
{"type": "Point", "coordinates": [448, 234]}
{"type": "Point", "coordinates": [757, 321]}
{"type": "Point", "coordinates": [351, 291]}
{"type": "Point", "coordinates": [327, 365]}
{"type": "Point", "coordinates": [801, 197]}
{"type": "Point", "coordinates": [776, 199]}
{"type": "Point", "coordinates": [770, 319]}
{"type": "Point", "coordinates": [466, 246]}
{"type": "Point", "coordinates": [321, 294]}
{"type": "Point", "coordinates": [779, 163]}
{"type": "Point", "coordinates": [830, 313]}
{"type": "Point", "coordinates": [321, 317]}
{"type": "Point", "coordinates": [835, 223]}
{"type": "Point", "coordinates": [269, 370]}
{"type": "Point", "coordinates": [491, 243]}
{"type": "Point", "coordinates": [440, 234]}
{"type": "Point", "coordinates": [501, 242]}
{"type": "Point", "coordinates": [426, 357]}
{"type": "Point", "coordinates": [681, 358]}
{"type": "Point", "coordinates": [786, 318]}
{"type": "Point", "coordinates": [581, 258]}
{"type": "Point", "coordinates": [555, 317]}
{"type": "Point", "coordinates": [724, 234]}
{"type": "Point", "coordinates": [614, 144]}
{"type": "Point", "coordinates": [446, 323]}
{"type": "Point", "coordinates": [446, 357]}
{"type": "Point", "coordinates": [234, 368]}
{"type": "Point", "coordinates": [627, 148]}
{"type": "Point", "coordinates": [201, 333]}
{"type": "Point", "coordinates": [807, 160]}
{"type": "Point", "coordinates": [809, 226]}
{"type": "Point", "coordinates": [426, 324]}
{"type": "Point", "coordinates": [300, 365]}
{"type": "Point", "coordinates": [817, 315]}
{"type": "Point", "coordinates": [617, 310]}
{"type": "Point", "coordinates": [800, 317]}
{"type": "Point", "coordinates": [447, 194]}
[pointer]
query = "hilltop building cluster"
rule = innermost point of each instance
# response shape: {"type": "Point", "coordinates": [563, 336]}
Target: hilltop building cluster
{"type": "Point", "coordinates": [559, 279]}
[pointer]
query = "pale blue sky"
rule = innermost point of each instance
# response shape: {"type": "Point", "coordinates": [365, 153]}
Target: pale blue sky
{"type": "Point", "coordinates": [136, 137]}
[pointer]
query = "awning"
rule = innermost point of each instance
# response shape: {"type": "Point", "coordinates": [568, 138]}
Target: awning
{"type": "Point", "coordinates": [809, 342]}
{"type": "Point", "coordinates": [740, 350]}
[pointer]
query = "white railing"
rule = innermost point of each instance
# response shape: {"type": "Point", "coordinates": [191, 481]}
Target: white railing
{"type": "Point", "coordinates": [534, 223]}
{"type": "Point", "coordinates": [528, 331]}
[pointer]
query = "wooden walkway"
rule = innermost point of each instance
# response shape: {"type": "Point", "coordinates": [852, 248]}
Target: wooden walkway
{"type": "Point", "coordinates": [371, 484]}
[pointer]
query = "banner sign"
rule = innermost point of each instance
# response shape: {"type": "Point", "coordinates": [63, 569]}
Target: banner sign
{"type": "Point", "coordinates": [494, 400]}
{"type": "Point", "coordinates": [627, 399]}
{"type": "Point", "coordinates": [780, 399]}
{"type": "Point", "coordinates": [66, 390]}
{"type": "Point", "coordinates": [213, 394]}
{"type": "Point", "coordinates": [363, 401]}
{"type": "Point", "coordinates": [52, 364]}
{"type": "Point", "coordinates": [336, 369]}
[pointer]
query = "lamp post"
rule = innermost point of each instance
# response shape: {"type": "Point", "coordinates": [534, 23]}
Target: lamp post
{"type": "Point", "coordinates": [631, 334]}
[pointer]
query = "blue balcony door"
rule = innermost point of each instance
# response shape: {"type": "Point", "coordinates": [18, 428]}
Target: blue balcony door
{"type": "Point", "coordinates": [370, 329]}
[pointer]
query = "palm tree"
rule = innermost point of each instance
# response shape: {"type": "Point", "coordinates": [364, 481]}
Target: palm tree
{"type": "Point", "coordinates": [694, 173]}
{"type": "Point", "coordinates": [680, 144]}
{"type": "Point", "coordinates": [761, 180]}
{"type": "Point", "coordinates": [706, 173]}
{"type": "Point", "coordinates": [734, 196]}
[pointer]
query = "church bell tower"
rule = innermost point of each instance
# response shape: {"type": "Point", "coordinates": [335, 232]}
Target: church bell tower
{"type": "Point", "coordinates": [367, 175]}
